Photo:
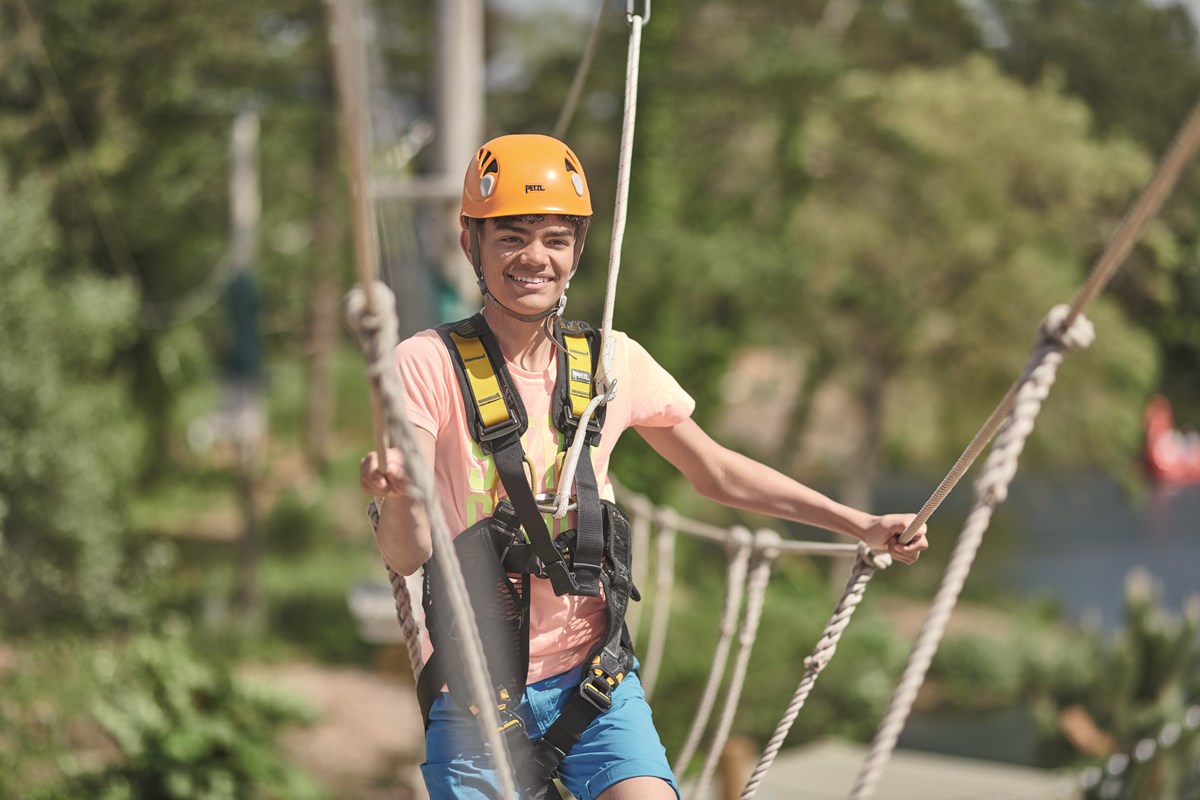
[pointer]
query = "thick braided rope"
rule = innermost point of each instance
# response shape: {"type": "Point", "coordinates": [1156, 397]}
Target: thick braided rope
{"type": "Point", "coordinates": [864, 569]}
{"type": "Point", "coordinates": [606, 382]}
{"type": "Point", "coordinates": [404, 612]}
{"type": "Point", "coordinates": [766, 546]}
{"type": "Point", "coordinates": [991, 489]}
{"type": "Point", "coordinates": [664, 583]}
{"type": "Point", "coordinates": [741, 545]}
{"type": "Point", "coordinates": [376, 332]}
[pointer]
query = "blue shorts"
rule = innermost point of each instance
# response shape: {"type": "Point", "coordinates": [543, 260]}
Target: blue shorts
{"type": "Point", "coordinates": [621, 743]}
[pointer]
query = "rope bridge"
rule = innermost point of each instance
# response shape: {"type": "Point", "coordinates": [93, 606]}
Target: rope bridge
{"type": "Point", "coordinates": [750, 556]}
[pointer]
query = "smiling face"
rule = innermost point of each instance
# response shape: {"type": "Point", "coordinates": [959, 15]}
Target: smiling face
{"type": "Point", "coordinates": [526, 261]}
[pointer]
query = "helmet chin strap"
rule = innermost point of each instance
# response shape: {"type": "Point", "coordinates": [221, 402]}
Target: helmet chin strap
{"type": "Point", "coordinates": [555, 310]}
{"type": "Point", "coordinates": [549, 316]}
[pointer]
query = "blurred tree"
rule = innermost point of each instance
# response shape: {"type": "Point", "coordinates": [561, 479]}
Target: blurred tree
{"type": "Point", "coordinates": [68, 442]}
{"type": "Point", "coordinates": [949, 210]}
{"type": "Point", "coordinates": [125, 107]}
{"type": "Point", "coordinates": [1135, 65]}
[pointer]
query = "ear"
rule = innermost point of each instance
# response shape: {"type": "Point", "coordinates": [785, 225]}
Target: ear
{"type": "Point", "coordinates": [464, 237]}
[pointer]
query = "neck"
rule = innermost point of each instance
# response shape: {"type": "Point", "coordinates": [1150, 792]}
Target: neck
{"type": "Point", "coordinates": [524, 344]}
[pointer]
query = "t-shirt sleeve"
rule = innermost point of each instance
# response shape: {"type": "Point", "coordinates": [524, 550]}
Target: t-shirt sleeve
{"type": "Point", "coordinates": [657, 399]}
{"type": "Point", "coordinates": [426, 380]}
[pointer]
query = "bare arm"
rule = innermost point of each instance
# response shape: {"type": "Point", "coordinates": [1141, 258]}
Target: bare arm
{"type": "Point", "coordinates": [403, 534]}
{"type": "Point", "coordinates": [732, 479]}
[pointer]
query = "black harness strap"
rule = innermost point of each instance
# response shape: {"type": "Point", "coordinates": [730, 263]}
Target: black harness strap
{"type": "Point", "coordinates": [608, 665]}
{"type": "Point", "coordinates": [575, 374]}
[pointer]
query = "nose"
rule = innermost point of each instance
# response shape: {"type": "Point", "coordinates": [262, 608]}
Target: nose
{"type": "Point", "coordinates": [534, 253]}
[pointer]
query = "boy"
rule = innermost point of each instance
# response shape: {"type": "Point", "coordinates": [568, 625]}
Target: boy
{"type": "Point", "coordinates": [494, 433]}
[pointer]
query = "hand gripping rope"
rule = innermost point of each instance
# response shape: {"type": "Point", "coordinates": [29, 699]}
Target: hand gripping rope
{"type": "Point", "coordinates": [371, 312]}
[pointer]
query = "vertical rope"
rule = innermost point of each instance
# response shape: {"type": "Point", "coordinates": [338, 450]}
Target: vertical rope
{"type": "Point", "coordinates": [991, 490]}
{"type": "Point", "coordinates": [404, 612]}
{"type": "Point", "coordinates": [605, 380]}
{"type": "Point", "coordinates": [741, 544]}
{"type": "Point", "coordinates": [766, 546]}
{"type": "Point", "coordinates": [377, 336]}
{"type": "Point", "coordinates": [581, 73]}
{"type": "Point", "coordinates": [664, 582]}
{"type": "Point", "coordinates": [864, 569]}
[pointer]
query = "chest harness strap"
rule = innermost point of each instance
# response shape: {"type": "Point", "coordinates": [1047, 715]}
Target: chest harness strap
{"type": "Point", "coordinates": [502, 553]}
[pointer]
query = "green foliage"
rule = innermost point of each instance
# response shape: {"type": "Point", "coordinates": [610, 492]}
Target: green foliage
{"type": "Point", "coordinates": [48, 684]}
{"type": "Point", "coordinates": [1135, 66]}
{"type": "Point", "coordinates": [188, 729]}
{"type": "Point", "coordinates": [1133, 686]}
{"type": "Point", "coordinates": [68, 442]}
{"type": "Point", "coordinates": [949, 210]}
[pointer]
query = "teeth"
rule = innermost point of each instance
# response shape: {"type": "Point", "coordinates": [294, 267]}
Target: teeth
{"type": "Point", "coordinates": [519, 279]}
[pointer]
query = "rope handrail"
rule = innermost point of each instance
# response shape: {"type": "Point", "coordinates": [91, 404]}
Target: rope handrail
{"type": "Point", "coordinates": [638, 504]}
{"type": "Point", "coordinates": [991, 490]}
{"type": "Point", "coordinates": [1065, 324]}
{"type": "Point", "coordinates": [377, 337]}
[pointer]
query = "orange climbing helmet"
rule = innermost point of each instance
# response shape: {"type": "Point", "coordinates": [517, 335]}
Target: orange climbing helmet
{"type": "Point", "coordinates": [525, 173]}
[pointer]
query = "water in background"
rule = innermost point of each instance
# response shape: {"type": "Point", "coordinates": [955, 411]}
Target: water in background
{"type": "Point", "coordinates": [1071, 540]}
{"type": "Point", "coordinates": [1077, 539]}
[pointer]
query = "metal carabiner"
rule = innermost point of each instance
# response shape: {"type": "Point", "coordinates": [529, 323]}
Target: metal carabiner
{"type": "Point", "coordinates": [629, 14]}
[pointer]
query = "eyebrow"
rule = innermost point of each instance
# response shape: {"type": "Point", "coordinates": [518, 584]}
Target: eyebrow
{"type": "Point", "coordinates": [565, 230]}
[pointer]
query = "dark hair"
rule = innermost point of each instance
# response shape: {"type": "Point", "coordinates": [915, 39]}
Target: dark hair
{"type": "Point", "coordinates": [574, 220]}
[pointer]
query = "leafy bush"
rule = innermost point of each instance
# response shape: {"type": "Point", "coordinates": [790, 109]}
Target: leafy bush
{"type": "Point", "coordinates": [188, 729]}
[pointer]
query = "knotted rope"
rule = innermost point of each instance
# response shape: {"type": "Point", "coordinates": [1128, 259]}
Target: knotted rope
{"type": "Point", "coordinates": [991, 489]}
{"type": "Point", "coordinates": [740, 546]}
{"type": "Point", "coordinates": [606, 382]}
{"type": "Point", "coordinates": [766, 547]}
{"type": "Point", "coordinates": [404, 609]}
{"type": "Point", "coordinates": [371, 314]}
{"type": "Point", "coordinates": [864, 569]}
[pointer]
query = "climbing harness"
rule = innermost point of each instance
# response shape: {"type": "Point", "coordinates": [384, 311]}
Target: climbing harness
{"type": "Point", "coordinates": [501, 555]}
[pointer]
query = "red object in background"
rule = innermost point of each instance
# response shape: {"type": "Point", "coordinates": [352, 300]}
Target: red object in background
{"type": "Point", "coordinates": [1171, 456]}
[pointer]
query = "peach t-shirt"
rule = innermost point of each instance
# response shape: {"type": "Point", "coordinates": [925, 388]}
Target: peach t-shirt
{"type": "Point", "coordinates": [561, 629]}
